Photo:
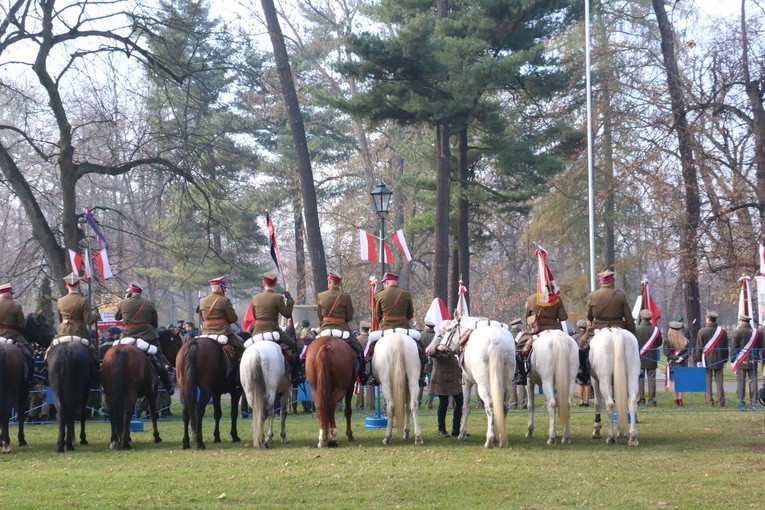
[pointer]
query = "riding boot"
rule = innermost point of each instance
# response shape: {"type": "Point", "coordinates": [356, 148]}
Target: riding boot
{"type": "Point", "coordinates": [423, 361]}
{"type": "Point", "coordinates": [520, 370]}
{"type": "Point", "coordinates": [360, 364]}
{"type": "Point", "coordinates": [162, 373]}
{"type": "Point", "coordinates": [298, 376]}
{"type": "Point", "coordinates": [95, 368]}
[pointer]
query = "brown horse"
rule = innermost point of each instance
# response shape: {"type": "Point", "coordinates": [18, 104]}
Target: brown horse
{"type": "Point", "coordinates": [203, 372]}
{"type": "Point", "coordinates": [69, 375]}
{"type": "Point", "coordinates": [14, 392]}
{"type": "Point", "coordinates": [127, 374]}
{"type": "Point", "coordinates": [330, 371]}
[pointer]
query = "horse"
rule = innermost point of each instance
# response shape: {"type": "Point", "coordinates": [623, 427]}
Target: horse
{"type": "Point", "coordinates": [202, 366]}
{"type": "Point", "coordinates": [38, 330]}
{"type": "Point", "coordinates": [615, 364]}
{"type": "Point", "coordinates": [489, 362]}
{"type": "Point", "coordinates": [14, 392]}
{"type": "Point", "coordinates": [69, 376]}
{"type": "Point", "coordinates": [126, 374]}
{"type": "Point", "coordinates": [554, 364]}
{"type": "Point", "coordinates": [396, 366]}
{"type": "Point", "coordinates": [169, 343]}
{"type": "Point", "coordinates": [263, 376]}
{"type": "Point", "coordinates": [331, 373]}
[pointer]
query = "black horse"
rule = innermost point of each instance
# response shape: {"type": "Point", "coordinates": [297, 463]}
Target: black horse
{"type": "Point", "coordinates": [69, 373]}
{"type": "Point", "coordinates": [38, 330]}
{"type": "Point", "coordinates": [14, 392]}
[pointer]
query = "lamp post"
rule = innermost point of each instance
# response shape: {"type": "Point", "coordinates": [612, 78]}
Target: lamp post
{"type": "Point", "coordinates": [381, 196]}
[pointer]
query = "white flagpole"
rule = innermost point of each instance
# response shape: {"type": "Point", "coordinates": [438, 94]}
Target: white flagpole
{"type": "Point", "coordinates": [590, 180]}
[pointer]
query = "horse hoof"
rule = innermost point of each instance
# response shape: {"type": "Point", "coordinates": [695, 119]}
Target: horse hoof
{"type": "Point", "coordinates": [157, 439]}
{"type": "Point", "coordinates": [418, 441]}
{"type": "Point", "coordinates": [332, 444]}
{"type": "Point", "coordinates": [488, 444]}
{"type": "Point", "coordinates": [186, 446]}
{"type": "Point", "coordinates": [406, 435]}
{"type": "Point", "coordinates": [216, 440]}
{"type": "Point", "coordinates": [529, 435]}
{"type": "Point", "coordinates": [112, 446]}
{"type": "Point", "coordinates": [320, 445]}
{"type": "Point", "coordinates": [462, 436]}
{"type": "Point", "coordinates": [235, 439]}
{"type": "Point", "coordinates": [84, 442]}
{"type": "Point", "coordinates": [70, 448]}
{"type": "Point", "coordinates": [565, 440]}
{"type": "Point", "coordinates": [551, 441]}
{"type": "Point", "coordinates": [610, 440]}
{"type": "Point", "coordinates": [596, 434]}
{"type": "Point", "coordinates": [23, 443]}
{"type": "Point", "coordinates": [386, 441]}
{"type": "Point", "coordinates": [201, 446]}
{"type": "Point", "coordinates": [7, 449]}
{"type": "Point", "coordinates": [633, 441]}
{"type": "Point", "coordinates": [285, 440]}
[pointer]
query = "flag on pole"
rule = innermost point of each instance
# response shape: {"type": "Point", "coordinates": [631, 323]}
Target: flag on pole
{"type": "Point", "coordinates": [367, 251]}
{"type": "Point", "coordinates": [437, 313]}
{"type": "Point", "coordinates": [100, 239]}
{"type": "Point", "coordinates": [76, 260]}
{"type": "Point", "coordinates": [249, 318]}
{"type": "Point", "coordinates": [86, 260]}
{"type": "Point", "coordinates": [272, 241]}
{"type": "Point", "coordinates": [102, 262]}
{"type": "Point", "coordinates": [548, 291]}
{"type": "Point", "coordinates": [388, 254]}
{"type": "Point", "coordinates": [462, 304]}
{"type": "Point", "coordinates": [398, 238]}
{"type": "Point", "coordinates": [648, 302]}
{"type": "Point", "coordinates": [372, 282]}
{"type": "Point", "coordinates": [745, 297]}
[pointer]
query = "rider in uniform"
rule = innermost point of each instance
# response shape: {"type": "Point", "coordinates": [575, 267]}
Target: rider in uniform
{"type": "Point", "coordinates": [140, 321]}
{"type": "Point", "coordinates": [335, 311]}
{"type": "Point", "coordinates": [12, 325]}
{"type": "Point", "coordinates": [218, 314]}
{"type": "Point", "coordinates": [394, 309]}
{"type": "Point", "coordinates": [75, 317]}
{"type": "Point", "coordinates": [549, 316]}
{"type": "Point", "coordinates": [266, 308]}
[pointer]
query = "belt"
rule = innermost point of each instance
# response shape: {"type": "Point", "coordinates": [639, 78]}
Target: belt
{"type": "Point", "coordinates": [392, 318]}
{"type": "Point", "coordinates": [607, 319]}
{"type": "Point", "coordinates": [334, 320]}
{"type": "Point", "coordinates": [216, 321]}
{"type": "Point", "coordinates": [136, 324]}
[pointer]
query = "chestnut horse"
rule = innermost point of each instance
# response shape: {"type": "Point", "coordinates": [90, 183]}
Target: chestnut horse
{"type": "Point", "coordinates": [203, 372]}
{"type": "Point", "coordinates": [14, 392]}
{"type": "Point", "coordinates": [127, 374]}
{"type": "Point", "coordinates": [330, 370]}
{"type": "Point", "coordinates": [69, 375]}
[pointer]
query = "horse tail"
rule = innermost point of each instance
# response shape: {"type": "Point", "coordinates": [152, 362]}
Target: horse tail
{"type": "Point", "coordinates": [323, 397]}
{"type": "Point", "coordinates": [562, 377]}
{"type": "Point", "coordinates": [191, 382]}
{"type": "Point", "coordinates": [398, 382]}
{"type": "Point", "coordinates": [497, 388]}
{"type": "Point", "coordinates": [620, 382]}
{"type": "Point", "coordinates": [257, 396]}
{"type": "Point", "coordinates": [119, 389]}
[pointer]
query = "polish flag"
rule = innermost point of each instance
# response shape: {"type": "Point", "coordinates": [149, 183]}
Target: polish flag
{"type": "Point", "coordinates": [88, 270]}
{"type": "Point", "coordinates": [437, 313]}
{"type": "Point", "coordinates": [368, 251]}
{"type": "Point", "coordinates": [249, 318]}
{"type": "Point", "coordinates": [462, 305]}
{"type": "Point", "coordinates": [398, 238]}
{"type": "Point", "coordinates": [104, 268]}
{"type": "Point", "coordinates": [76, 259]}
{"type": "Point", "coordinates": [388, 254]}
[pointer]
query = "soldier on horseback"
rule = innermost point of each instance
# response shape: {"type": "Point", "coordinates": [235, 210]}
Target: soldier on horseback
{"type": "Point", "coordinates": [12, 326]}
{"type": "Point", "coordinates": [335, 311]}
{"type": "Point", "coordinates": [141, 321]}
{"type": "Point", "coordinates": [75, 317]}
{"type": "Point", "coordinates": [266, 309]}
{"type": "Point", "coordinates": [218, 315]}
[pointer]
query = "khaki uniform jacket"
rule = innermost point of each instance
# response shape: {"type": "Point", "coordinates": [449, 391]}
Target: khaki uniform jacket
{"type": "Point", "coordinates": [75, 316]}
{"type": "Point", "coordinates": [550, 317]}
{"type": "Point", "coordinates": [609, 307]}
{"type": "Point", "coordinates": [266, 307]}
{"type": "Point", "coordinates": [335, 309]}
{"type": "Point", "coordinates": [140, 318]}
{"type": "Point", "coordinates": [740, 338]}
{"type": "Point", "coordinates": [12, 321]}
{"type": "Point", "coordinates": [719, 355]}
{"type": "Point", "coordinates": [394, 308]}
{"type": "Point", "coordinates": [217, 313]}
{"type": "Point", "coordinates": [649, 359]}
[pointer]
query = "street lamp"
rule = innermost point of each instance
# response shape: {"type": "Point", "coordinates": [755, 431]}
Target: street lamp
{"type": "Point", "coordinates": [381, 196]}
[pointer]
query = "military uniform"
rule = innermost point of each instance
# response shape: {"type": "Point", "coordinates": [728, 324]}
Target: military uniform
{"type": "Point", "coordinates": [548, 317]}
{"type": "Point", "coordinates": [266, 307]}
{"type": "Point", "coordinates": [394, 308]}
{"type": "Point", "coordinates": [218, 314]}
{"type": "Point", "coordinates": [714, 361]}
{"type": "Point", "coordinates": [75, 315]}
{"type": "Point", "coordinates": [648, 361]}
{"type": "Point", "coordinates": [747, 369]}
{"type": "Point", "coordinates": [607, 307]}
{"type": "Point", "coordinates": [12, 325]}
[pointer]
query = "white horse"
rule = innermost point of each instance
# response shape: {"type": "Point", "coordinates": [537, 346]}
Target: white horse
{"type": "Point", "coordinates": [615, 364]}
{"type": "Point", "coordinates": [489, 363]}
{"type": "Point", "coordinates": [396, 366]}
{"type": "Point", "coordinates": [262, 374]}
{"type": "Point", "coordinates": [554, 364]}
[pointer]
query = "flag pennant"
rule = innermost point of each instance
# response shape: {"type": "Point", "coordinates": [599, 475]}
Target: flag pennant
{"type": "Point", "coordinates": [745, 297]}
{"type": "Point", "coordinates": [249, 318]}
{"type": "Point", "coordinates": [398, 238]}
{"type": "Point", "coordinates": [86, 260]}
{"type": "Point", "coordinates": [437, 313]}
{"type": "Point", "coordinates": [367, 250]}
{"type": "Point", "coordinates": [272, 241]}
{"type": "Point", "coordinates": [104, 267]}
{"type": "Point", "coordinates": [462, 304]}
{"type": "Point", "coordinates": [648, 302]}
{"type": "Point", "coordinates": [548, 291]}
{"type": "Point", "coordinates": [388, 254]}
{"type": "Point", "coordinates": [100, 239]}
{"type": "Point", "coordinates": [75, 258]}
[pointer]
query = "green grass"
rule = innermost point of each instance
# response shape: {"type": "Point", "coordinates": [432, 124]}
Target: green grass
{"type": "Point", "coordinates": [686, 459]}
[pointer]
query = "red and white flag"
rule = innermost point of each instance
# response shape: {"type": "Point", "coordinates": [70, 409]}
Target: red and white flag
{"type": "Point", "coordinates": [649, 303]}
{"type": "Point", "coordinates": [275, 255]}
{"type": "Point", "coordinates": [249, 318]}
{"type": "Point", "coordinates": [437, 313]}
{"type": "Point", "coordinates": [548, 291]}
{"type": "Point", "coordinates": [102, 262]}
{"type": "Point", "coordinates": [462, 304]}
{"type": "Point", "coordinates": [388, 254]}
{"type": "Point", "coordinates": [745, 297]}
{"type": "Point", "coordinates": [372, 282]}
{"type": "Point", "coordinates": [368, 250]}
{"type": "Point", "coordinates": [398, 238]}
{"type": "Point", "coordinates": [88, 270]}
{"type": "Point", "coordinates": [76, 260]}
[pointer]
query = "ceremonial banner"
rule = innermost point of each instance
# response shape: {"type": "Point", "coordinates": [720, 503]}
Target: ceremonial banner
{"type": "Point", "coordinates": [102, 262]}
{"type": "Point", "coordinates": [648, 302]}
{"type": "Point", "coordinates": [398, 238]}
{"type": "Point", "coordinates": [437, 313]}
{"type": "Point", "coordinates": [548, 291]}
{"type": "Point", "coordinates": [367, 251]}
{"type": "Point", "coordinates": [272, 241]}
{"type": "Point", "coordinates": [462, 305]}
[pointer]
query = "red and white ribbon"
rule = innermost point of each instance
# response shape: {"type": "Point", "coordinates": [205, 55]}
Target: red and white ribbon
{"type": "Point", "coordinates": [744, 353]}
{"type": "Point", "coordinates": [711, 344]}
{"type": "Point", "coordinates": [649, 344]}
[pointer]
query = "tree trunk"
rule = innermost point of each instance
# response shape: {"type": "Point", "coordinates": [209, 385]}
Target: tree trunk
{"type": "Point", "coordinates": [297, 216]}
{"type": "Point", "coordinates": [463, 237]}
{"type": "Point", "coordinates": [441, 256]}
{"type": "Point", "coordinates": [688, 242]}
{"type": "Point", "coordinates": [609, 213]}
{"type": "Point", "coordinates": [297, 130]}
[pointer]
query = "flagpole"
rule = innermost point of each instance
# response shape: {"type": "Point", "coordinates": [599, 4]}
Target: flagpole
{"type": "Point", "coordinates": [82, 220]}
{"type": "Point", "coordinates": [590, 178]}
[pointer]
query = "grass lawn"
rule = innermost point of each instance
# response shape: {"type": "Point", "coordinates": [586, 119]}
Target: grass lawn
{"type": "Point", "coordinates": [686, 459]}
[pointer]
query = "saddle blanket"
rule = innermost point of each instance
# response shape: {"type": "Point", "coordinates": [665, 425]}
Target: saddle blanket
{"type": "Point", "coordinates": [4, 340]}
{"type": "Point", "coordinates": [138, 342]}
{"type": "Point", "coordinates": [273, 336]}
{"type": "Point", "coordinates": [70, 338]}
{"type": "Point", "coordinates": [412, 333]}
{"type": "Point", "coordinates": [337, 333]}
{"type": "Point", "coordinates": [221, 339]}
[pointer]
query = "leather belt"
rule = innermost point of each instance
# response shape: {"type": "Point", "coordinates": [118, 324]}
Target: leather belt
{"type": "Point", "coordinates": [606, 319]}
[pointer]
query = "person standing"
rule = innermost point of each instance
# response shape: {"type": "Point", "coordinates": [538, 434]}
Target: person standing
{"type": "Point", "coordinates": [12, 326]}
{"type": "Point", "coordinates": [266, 309]}
{"type": "Point", "coordinates": [711, 352]}
{"type": "Point", "coordinates": [746, 342]}
{"type": "Point", "coordinates": [75, 318]}
{"type": "Point", "coordinates": [676, 352]}
{"type": "Point", "coordinates": [335, 310]}
{"type": "Point", "coordinates": [140, 321]}
{"type": "Point", "coordinates": [366, 397]}
{"type": "Point", "coordinates": [446, 382]}
{"type": "Point", "coordinates": [583, 381]}
{"type": "Point", "coordinates": [649, 341]}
